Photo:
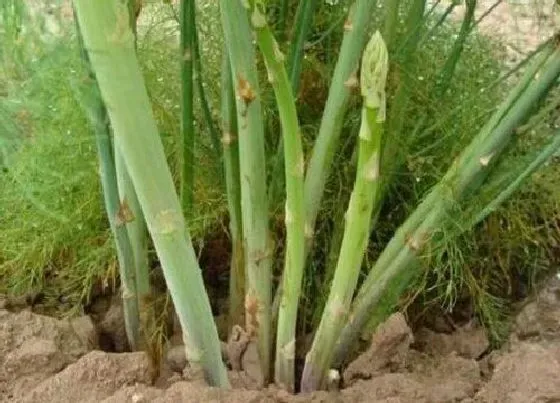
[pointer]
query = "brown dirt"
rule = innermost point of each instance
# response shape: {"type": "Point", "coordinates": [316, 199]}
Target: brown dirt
{"type": "Point", "coordinates": [49, 360]}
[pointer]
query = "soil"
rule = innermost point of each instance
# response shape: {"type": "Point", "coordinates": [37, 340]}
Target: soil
{"type": "Point", "coordinates": [50, 360]}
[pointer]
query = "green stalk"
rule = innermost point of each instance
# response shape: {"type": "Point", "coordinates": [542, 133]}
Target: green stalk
{"type": "Point", "coordinates": [405, 53]}
{"type": "Point", "coordinates": [199, 74]}
{"type": "Point", "coordinates": [358, 216]}
{"type": "Point", "coordinates": [304, 19]}
{"type": "Point", "coordinates": [463, 177]}
{"type": "Point", "coordinates": [252, 167]}
{"type": "Point", "coordinates": [135, 225]}
{"type": "Point", "coordinates": [283, 19]}
{"type": "Point", "coordinates": [110, 42]}
{"type": "Point", "coordinates": [97, 112]}
{"type": "Point", "coordinates": [233, 190]}
{"type": "Point", "coordinates": [187, 161]}
{"type": "Point", "coordinates": [450, 66]}
{"type": "Point", "coordinates": [295, 209]}
{"type": "Point", "coordinates": [344, 82]}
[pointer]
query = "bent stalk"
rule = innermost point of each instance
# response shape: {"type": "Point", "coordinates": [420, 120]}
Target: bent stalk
{"type": "Point", "coordinates": [110, 43]}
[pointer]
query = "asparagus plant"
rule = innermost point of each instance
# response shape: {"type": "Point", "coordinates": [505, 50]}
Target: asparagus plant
{"type": "Point", "coordinates": [294, 216]}
{"type": "Point", "coordinates": [463, 177]}
{"type": "Point", "coordinates": [110, 44]}
{"type": "Point", "coordinates": [358, 216]}
{"type": "Point", "coordinates": [304, 18]}
{"type": "Point", "coordinates": [233, 190]}
{"type": "Point", "coordinates": [342, 85]}
{"type": "Point", "coordinates": [186, 151]}
{"type": "Point", "coordinates": [133, 218]}
{"type": "Point", "coordinates": [252, 168]}
{"type": "Point", "coordinates": [97, 113]}
{"type": "Point", "coordinates": [451, 63]}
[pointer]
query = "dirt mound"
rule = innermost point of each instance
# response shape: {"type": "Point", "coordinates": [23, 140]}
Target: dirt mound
{"type": "Point", "coordinates": [527, 374]}
{"type": "Point", "coordinates": [94, 377]}
{"type": "Point", "coordinates": [34, 347]}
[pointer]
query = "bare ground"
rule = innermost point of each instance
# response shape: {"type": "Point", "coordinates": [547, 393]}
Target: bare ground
{"type": "Point", "coordinates": [55, 361]}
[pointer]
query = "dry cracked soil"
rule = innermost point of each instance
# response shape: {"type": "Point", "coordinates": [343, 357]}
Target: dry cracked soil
{"type": "Point", "coordinates": [47, 360]}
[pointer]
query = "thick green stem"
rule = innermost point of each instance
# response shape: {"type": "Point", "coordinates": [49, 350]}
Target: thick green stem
{"type": "Point", "coordinates": [252, 167]}
{"type": "Point", "coordinates": [97, 113]}
{"type": "Point", "coordinates": [295, 209]}
{"type": "Point", "coordinates": [463, 178]}
{"type": "Point", "coordinates": [187, 162]}
{"type": "Point", "coordinates": [343, 83]}
{"type": "Point", "coordinates": [358, 217]}
{"type": "Point", "coordinates": [110, 44]}
{"type": "Point", "coordinates": [233, 190]}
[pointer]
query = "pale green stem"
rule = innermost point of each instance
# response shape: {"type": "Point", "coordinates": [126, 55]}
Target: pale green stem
{"type": "Point", "coordinates": [294, 215]}
{"type": "Point", "coordinates": [138, 235]}
{"type": "Point", "coordinates": [358, 217]}
{"type": "Point", "coordinates": [252, 166]}
{"type": "Point", "coordinates": [344, 82]}
{"type": "Point", "coordinates": [233, 190]}
{"type": "Point", "coordinates": [110, 43]}
{"type": "Point", "coordinates": [134, 218]}
{"type": "Point", "coordinates": [97, 112]}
